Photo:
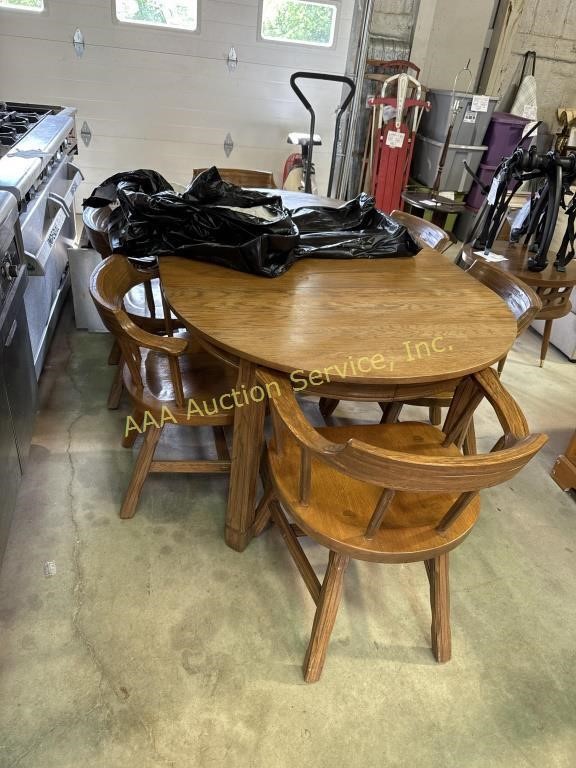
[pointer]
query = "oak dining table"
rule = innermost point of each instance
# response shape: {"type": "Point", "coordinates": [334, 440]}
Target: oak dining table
{"type": "Point", "coordinates": [374, 327]}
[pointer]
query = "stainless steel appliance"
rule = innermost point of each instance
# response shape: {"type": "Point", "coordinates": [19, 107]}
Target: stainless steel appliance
{"type": "Point", "coordinates": [37, 225]}
{"type": "Point", "coordinates": [37, 144]}
{"type": "Point", "coordinates": [18, 390]}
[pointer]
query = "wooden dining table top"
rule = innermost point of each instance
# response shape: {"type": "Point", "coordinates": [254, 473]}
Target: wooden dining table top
{"type": "Point", "coordinates": [416, 319]}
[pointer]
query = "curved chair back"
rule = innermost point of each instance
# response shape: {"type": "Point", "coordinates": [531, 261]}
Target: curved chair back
{"type": "Point", "coordinates": [112, 279]}
{"type": "Point", "coordinates": [400, 471]}
{"type": "Point", "coordinates": [95, 221]}
{"type": "Point", "coordinates": [424, 233]}
{"type": "Point", "coordinates": [244, 178]}
{"type": "Point", "coordinates": [522, 301]}
{"type": "Point", "coordinates": [143, 303]}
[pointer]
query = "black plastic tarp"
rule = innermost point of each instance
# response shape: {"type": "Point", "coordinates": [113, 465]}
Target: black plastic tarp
{"type": "Point", "coordinates": [247, 230]}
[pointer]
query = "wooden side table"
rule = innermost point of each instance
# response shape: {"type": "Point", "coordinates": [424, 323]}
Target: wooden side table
{"type": "Point", "coordinates": [564, 471]}
{"type": "Point", "coordinates": [441, 207]}
{"type": "Point", "coordinates": [553, 287]}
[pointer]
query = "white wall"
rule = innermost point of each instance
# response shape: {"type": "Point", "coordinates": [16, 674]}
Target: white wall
{"type": "Point", "coordinates": [165, 99]}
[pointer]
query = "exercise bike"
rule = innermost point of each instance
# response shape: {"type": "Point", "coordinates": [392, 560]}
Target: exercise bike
{"type": "Point", "coordinates": [299, 173]}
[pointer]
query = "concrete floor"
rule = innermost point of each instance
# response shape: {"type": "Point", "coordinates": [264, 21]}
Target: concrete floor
{"type": "Point", "coordinates": [156, 645]}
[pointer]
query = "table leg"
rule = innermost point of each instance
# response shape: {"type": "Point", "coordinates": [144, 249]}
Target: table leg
{"type": "Point", "coordinates": [439, 218]}
{"type": "Point", "coordinates": [246, 453]}
{"type": "Point", "coordinates": [419, 212]}
{"type": "Point", "coordinates": [545, 341]}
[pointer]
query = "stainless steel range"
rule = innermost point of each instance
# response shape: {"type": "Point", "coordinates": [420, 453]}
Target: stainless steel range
{"type": "Point", "coordinates": [37, 144]}
{"type": "Point", "coordinates": [37, 226]}
{"type": "Point", "coordinates": [17, 376]}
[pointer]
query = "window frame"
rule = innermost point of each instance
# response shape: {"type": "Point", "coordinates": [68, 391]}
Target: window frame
{"type": "Point", "coordinates": [337, 4]}
{"type": "Point", "coordinates": [24, 9]}
{"type": "Point", "coordinates": [152, 25]}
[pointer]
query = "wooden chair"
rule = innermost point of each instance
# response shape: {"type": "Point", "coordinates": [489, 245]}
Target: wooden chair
{"type": "Point", "coordinates": [143, 303]}
{"type": "Point", "coordinates": [424, 233]}
{"type": "Point", "coordinates": [390, 493]}
{"type": "Point", "coordinates": [244, 178]}
{"type": "Point", "coordinates": [555, 304]}
{"type": "Point", "coordinates": [524, 304]}
{"type": "Point", "coordinates": [163, 376]}
{"type": "Point", "coordinates": [564, 470]}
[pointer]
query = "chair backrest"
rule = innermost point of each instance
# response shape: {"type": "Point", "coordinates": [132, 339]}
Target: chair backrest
{"type": "Point", "coordinates": [96, 227]}
{"type": "Point", "coordinates": [424, 233]}
{"type": "Point", "coordinates": [521, 300]}
{"type": "Point", "coordinates": [112, 279]}
{"type": "Point", "coordinates": [244, 178]}
{"type": "Point", "coordinates": [399, 471]}
{"type": "Point", "coordinates": [95, 221]}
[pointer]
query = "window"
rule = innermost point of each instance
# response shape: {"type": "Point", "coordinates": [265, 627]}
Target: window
{"type": "Point", "coordinates": [298, 21]}
{"type": "Point", "coordinates": [175, 14]}
{"type": "Point", "coordinates": [23, 5]}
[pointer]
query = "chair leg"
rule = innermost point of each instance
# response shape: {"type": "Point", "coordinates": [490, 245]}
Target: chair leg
{"type": "Point", "coordinates": [501, 364]}
{"type": "Point", "coordinates": [328, 604]}
{"type": "Point", "coordinates": [545, 341]}
{"type": "Point", "coordinates": [221, 445]}
{"type": "Point", "coordinates": [263, 516]}
{"type": "Point", "coordinates": [141, 469]}
{"type": "Point", "coordinates": [327, 406]}
{"type": "Point", "coordinates": [469, 445]}
{"type": "Point", "coordinates": [149, 295]}
{"type": "Point", "coordinates": [440, 604]}
{"type": "Point", "coordinates": [390, 412]}
{"type": "Point", "coordinates": [129, 439]}
{"type": "Point", "coordinates": [301, 562]}
{"type": "Point", "coordinates": [117, 388]}
{"type": "Point", "coordinates": [115, 354]}
{"type": "Point", "coordinates": [435, 415]}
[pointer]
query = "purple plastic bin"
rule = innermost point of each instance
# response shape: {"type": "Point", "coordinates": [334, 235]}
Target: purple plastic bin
{"type": "Point", "coordinates": [475, 197]}
{"type": "Point", "coordinates": [502, 136]}
{"type": "Point", "coordinates": [485, 174]}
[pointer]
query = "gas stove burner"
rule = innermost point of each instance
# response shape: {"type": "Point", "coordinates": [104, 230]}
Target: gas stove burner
{"type": "Point", "coordinates": [8, 131]}
{"type": "Point", "coordinates": [16, 120]}
{"type": "Point", "coordinates": [33, 139]}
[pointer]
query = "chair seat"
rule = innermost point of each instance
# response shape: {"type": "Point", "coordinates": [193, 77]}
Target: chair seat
{"type": "Point", "coordinates": [204, 380]}
{"type": "Point", "coordinates": [340, 507]}
{"type": "Point", "coordinates": [135, 300]}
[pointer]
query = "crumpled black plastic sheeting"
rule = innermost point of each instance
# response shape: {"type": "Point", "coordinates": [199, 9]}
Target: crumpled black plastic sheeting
{"type": "Point", "coordinates": [149, 182]}
{"type": "Point", "coordinates": [204, 223]}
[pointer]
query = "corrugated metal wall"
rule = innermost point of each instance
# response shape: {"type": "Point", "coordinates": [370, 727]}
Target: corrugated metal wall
{"type": "Point", "coordinates": [165, 99]}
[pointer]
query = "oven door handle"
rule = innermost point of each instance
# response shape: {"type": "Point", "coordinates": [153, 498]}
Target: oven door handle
{"type": "Point", "coordinates": [61, 203]}
{"type": "Point", "coordinates": [36, 261]}
{"type": "Point", "coordinates": [65, 201]}
{"type": "Point", "coordinates": [35, 269]}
